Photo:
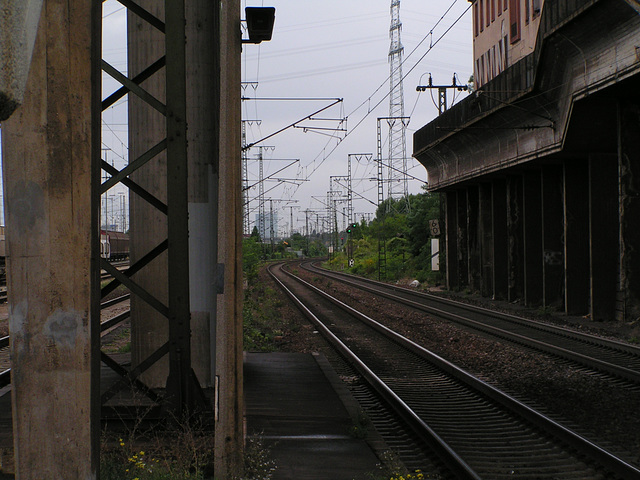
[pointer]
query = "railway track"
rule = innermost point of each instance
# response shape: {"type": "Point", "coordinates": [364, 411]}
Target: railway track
{"type": "Point", "coordinates": [122, 266]}
{"type": "Point", "coordinates": [475, 430]}
{"type": "Point", "coordinates": [602, 356]}
{"type": "Point", "coordinates": [5, 370]}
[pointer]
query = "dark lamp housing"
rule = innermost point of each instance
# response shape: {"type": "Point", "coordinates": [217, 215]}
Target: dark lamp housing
{"type": "Point", "coordinates": [259, 23]}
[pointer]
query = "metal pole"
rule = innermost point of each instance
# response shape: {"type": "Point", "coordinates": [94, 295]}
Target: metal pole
{"type": "Point", "coordinates": [271, 230]}
{"type": "Point", "coordinates": [261, 206]}
{"type": "Point", "coordinates": [291, 221]}
{"type": "Point", "coordinates": [245, 182]}
{"type": "Point", "coordinates": [306, 222]}
{"type": "Point", "coordinates": [178, 382]}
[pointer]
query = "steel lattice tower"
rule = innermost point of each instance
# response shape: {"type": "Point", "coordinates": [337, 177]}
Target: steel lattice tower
{"type": "Point", "coordinates": [246, 221]}
{"type": "Point", "coordinates": [397, 176]}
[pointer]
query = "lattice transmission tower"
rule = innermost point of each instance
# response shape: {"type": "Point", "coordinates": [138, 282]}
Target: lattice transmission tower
{"type": "Point", "coordinates": [397, 171]}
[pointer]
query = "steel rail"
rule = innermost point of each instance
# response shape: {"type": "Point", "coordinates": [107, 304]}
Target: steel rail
{"type": "Point", "coordinates": [449, 457]}
{"type": "Point", "coordinates": [582, 359]}
{"type": "Point", "coordinates": [586, 337]}
{"type": "Point", "coordinates": [5, 378]}
{"type": "Point", "coordinates": [592, 450]}
{"type": "Point", "coordinates": [113, 321]}
{"type": "Point", "coordinates": [115, 301]}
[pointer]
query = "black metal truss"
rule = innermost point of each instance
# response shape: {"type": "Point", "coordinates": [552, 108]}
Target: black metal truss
{"type": "Point", "coordinates": [183, 391]}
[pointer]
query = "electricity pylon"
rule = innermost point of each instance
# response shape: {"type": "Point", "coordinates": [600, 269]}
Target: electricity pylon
{"type": "Point", "coordinates": [397, 171]}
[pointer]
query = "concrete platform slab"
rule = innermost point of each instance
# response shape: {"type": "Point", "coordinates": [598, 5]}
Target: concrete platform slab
{"type": "Point", "coordinates": [292, 405]}
{"type": "Point", "coordinates": [296, 405]}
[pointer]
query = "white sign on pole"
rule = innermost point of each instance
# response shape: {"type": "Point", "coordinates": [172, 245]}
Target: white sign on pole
{"type": "Point", "coordinates": [435, 254]}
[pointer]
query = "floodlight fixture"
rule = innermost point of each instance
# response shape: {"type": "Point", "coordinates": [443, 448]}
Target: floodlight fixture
{"type": "Point", "coordinates": [259, 23]}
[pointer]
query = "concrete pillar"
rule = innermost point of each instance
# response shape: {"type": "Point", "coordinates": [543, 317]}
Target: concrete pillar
{"type": "Point", "coordinates": [463, 254]}
{"type": "Point", "coordinates": [203, 103]}
{"type": "Point", "coordinates": [473, 239]}
{"type": "Point", "coordinates": [19, 20]}
{"type": "Point", "coordinates": [148, 226]}
{"type": "Point", "coordinates": [52, 238]}
{"type": "Point", "coordinates": [604, 235]}
{"type": "Point", "coordinates": [147, 127]}
{"type": "Point", "coordinates": [532, 238]}
{"type": "Point", "coordinates": [515, 259]}
{"type": "Point", "coordinates": [485, 225]}
{"type": "Point", "coordinates": [451, 233]}
{"type": "Point", "coordinates": [629, 160]}
{"type": "Point", "coordinates": [552, 236]}
{"type": "Point", "coordinates": [229, 426]}
{"type": "Point", "coordinates": [500, 243]}
{"type": "Point", "coordinates": [576, 236]}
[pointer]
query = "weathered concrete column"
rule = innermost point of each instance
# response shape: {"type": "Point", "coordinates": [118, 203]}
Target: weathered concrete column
{"type": "Point", "coordinates": [473, 239]}
{"type": "Point", "coordinates": [532, 238]}
{"type": "Point", "coordinates": [500, 243]}
{"type": "Point", "coordinates": [515, 260]}
{"type": "Point", "coordinates": [486, 239]}
{"type": "Point", "coordinates": [51, 234]}
{"type": "Point", "coordinates": [552, 236]}
{"type": "Point", "coordinates": [451, 234]}
{"type": "Point", "coordinates": [463, 254]}
{"type": "Point", "coordinates": [19, 20]}
{"type": "Point", "coordinates": [576, 236]}
{"type": "Point", "coordinates": [229, 426]}
{"type": "Point", "coordinates": [203, 101]}
{"type": "Point", "coordinates": [147, 127]}
{"type": "Point", "coordinates": [629, 158]}
{"type": "Point", "coordinates": [604, 235]}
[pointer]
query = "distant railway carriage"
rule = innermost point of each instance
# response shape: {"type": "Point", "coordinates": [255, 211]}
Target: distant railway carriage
{"type": "Point", "coordinates": [2, 256]}
{"type": "Point", "coordinates": [114, 245]}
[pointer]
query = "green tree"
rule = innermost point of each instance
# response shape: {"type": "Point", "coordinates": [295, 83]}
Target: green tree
{"type": "Point", "coordinates": [317, 249]}
{"type": "Point", "coordinates": [251, 257]}
{"type": "Point", "coordinates": [256, 234]}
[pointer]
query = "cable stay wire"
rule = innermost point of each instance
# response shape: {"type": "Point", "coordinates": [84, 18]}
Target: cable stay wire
{"type": "Point", "coordinates": [303, 169]}
{"type": "Point", "coordinates": [248, 146]}
{"type": "Point", "coordinates": [430, 34]}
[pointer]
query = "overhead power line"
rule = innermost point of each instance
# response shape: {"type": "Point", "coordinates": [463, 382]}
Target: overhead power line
{"type": "Point", "coordinates": [370, 110]}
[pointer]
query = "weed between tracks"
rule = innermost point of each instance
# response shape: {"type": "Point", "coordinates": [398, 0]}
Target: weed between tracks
{"type": "Point", "coordinates": [263, 325]}
{"type": "Point", "coordinates": [120, 343]}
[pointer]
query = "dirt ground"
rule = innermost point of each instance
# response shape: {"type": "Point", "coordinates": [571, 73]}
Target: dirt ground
{"type": "Point", "coordinates": [4, 320]}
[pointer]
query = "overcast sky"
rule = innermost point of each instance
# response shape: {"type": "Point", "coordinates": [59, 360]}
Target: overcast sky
{"type": "Point", "coordinates": [328, 50]}
{"type": "Point", "coordinates": [339, 49]}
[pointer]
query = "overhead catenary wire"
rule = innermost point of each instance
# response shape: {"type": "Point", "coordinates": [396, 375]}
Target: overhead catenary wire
{"type": "Point", "coordinates": [370, 110]}
{"type": "Point", "coordinates": [371, 103]}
